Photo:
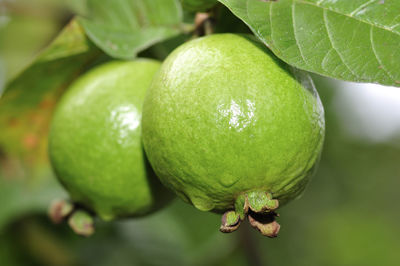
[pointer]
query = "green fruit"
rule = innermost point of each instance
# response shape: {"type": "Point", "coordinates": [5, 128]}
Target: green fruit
{"type": "Point", "coordinates": [198, 5]}
{"type": "Point", "coordinates": [95, 141]}
{"type": "Point", "coordinates": [230, 128]}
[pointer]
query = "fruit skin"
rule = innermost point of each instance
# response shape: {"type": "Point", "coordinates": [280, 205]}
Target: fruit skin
{"type": "Point", "coordinates": [224, 117]}
{"type": "Point", "coordinates": [198, 5]}
{"type": "Point", "coordinates": [95, 141]}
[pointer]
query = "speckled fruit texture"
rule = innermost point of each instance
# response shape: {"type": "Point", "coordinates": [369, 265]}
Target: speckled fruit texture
{"type": "Point", "coordinates": [95, 141]}
{"type": "Point", "coordinates": [224, 117]}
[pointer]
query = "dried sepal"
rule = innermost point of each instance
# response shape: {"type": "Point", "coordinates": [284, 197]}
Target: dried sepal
{"type": "Point", "coordinates": [230, 222]}
{"type": "Point", "coordinates": [265, 223]}
{"type": "Point", "coordinates": [60, 210]}
{"type": "Point", "coordinates": [81, 223]}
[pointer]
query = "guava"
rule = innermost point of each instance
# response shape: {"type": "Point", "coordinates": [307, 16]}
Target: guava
{"type": "Point", "coordinates": [232, 129]}
{"type": "Point", "coordinates": [95, 144]}
{"type": "Point", "coordinates": [198, 5]}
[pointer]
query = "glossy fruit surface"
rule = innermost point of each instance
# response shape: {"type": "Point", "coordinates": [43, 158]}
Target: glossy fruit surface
{"type": "Point", "coordinates": [225, 118]}
{"type": "Point", "coordinates": [198, 5]}
{"type": "Point", "coordinates": [95, 141]}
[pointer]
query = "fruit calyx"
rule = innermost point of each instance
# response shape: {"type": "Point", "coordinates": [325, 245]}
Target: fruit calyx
{"type": "Point", "coordinates": [80, 221]}
{"type": "Point", "coordinates": [259, 207]}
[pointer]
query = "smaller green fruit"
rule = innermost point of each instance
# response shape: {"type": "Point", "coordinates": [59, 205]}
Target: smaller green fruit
{"type": "Point", "coordinates": [95, 142]}
{"type": "Point", "coordinates": [198, 5]}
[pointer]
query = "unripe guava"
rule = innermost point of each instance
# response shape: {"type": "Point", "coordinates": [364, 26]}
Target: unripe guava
{"type": "Point", "coordinates": [198, 5]}
{"type": "Point", "coordinates": [95, 142]}
{"type": "Point", "coordinates": [230, 128]}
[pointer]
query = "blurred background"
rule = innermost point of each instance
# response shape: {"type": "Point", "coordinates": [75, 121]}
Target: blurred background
{"type": "Point", "coordinates": [349, 215]}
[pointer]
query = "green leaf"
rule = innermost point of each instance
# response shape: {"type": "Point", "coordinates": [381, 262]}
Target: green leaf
{"type": "Point", "coordinates": [122, 28]}
{"type": "Point", "coordinates": [26, 106]}
{"type": "Point", "coordinates": [355, 40]}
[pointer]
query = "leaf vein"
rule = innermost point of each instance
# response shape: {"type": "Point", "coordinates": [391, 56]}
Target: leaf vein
{"type": "Point", "coordinates": [270, 23]}
{"type": "Point", "coordinates": [347, 15]}
{"type": "Point", "coordinates": [295, 34]}
{"type": "Point", "coordinates": [358, 9]}
{"type": "Point", "coordinates": [333, 46]}
{"type": "Point", "coordinates": [371, 36]}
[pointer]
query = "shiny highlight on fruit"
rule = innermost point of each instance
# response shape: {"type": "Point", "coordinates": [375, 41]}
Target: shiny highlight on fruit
{"type": "Point", "coordinates": [232, 129]}
{"type": "Point", "coordinates": [95, 144]}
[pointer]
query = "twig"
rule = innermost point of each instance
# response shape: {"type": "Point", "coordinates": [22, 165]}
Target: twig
{"type": "Point", "coordinates": [250, 247]}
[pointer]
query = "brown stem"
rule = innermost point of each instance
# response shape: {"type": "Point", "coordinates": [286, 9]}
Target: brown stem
{"type": "Point", "coordinates": [205, 22]}
{"type": "Point", "coordinates": [250, 247]}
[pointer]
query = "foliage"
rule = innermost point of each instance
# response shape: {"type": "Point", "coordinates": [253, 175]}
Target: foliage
{"type": "Point", "coordinates": [349, 40]}
{"type": "Point", "coordinates": [122, 28]}
{"type": "Point", "coordinates": [347, 215]}
{"type": "Point", "coordinates": [25, 111]}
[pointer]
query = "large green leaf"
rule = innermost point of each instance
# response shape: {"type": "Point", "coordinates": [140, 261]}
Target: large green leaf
{"type": "Point", "coordinates": [26, 182]}
{"type": "Point", "coordinates": [122, 28]}
{"type": "Point", "coordinates": [357, 40]}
